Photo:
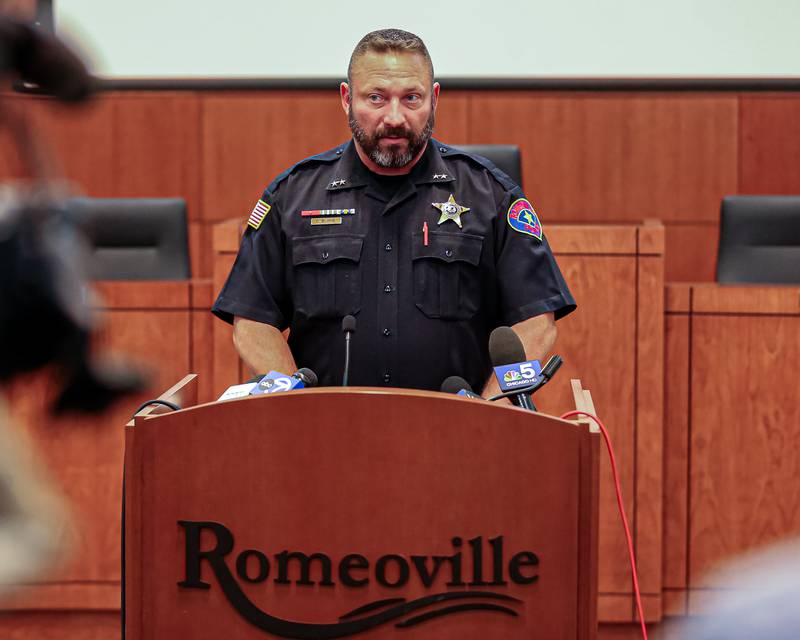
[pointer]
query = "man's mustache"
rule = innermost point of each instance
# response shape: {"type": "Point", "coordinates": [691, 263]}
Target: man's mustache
{"type": "Point", "coordinates": [393, 132]}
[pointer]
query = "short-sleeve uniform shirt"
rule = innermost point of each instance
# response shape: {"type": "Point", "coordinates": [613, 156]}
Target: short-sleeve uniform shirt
{"type": "Point", "coordinates": [427, 272]}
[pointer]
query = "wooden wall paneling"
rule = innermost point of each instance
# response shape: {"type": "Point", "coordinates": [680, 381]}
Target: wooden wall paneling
{"type": "Point", "coordinates": [227, 368]}
{"type": "Point", "coordinates": [614, 608]}
{"type": "Point", "coordinates": [157, 147]}
{"type": "Point", "coordinates": [649, 435]}
{"type": "Point", "coordinates": [60, 625]}
{"type": "Point", "coordinates": [65, 596]}
{"type": "Point", "coordinates": [201, 262]}
{"type": "Point", "coordinates": [452, 117]}
{"type": "Point", "coordinates": [77, 138]}
{"type": "Point", "coordinates": [617, 156]}
{"type": "Point", "coordinates": [745, 438]}
{"type": "Point", "coordinates": [202, 351]}
{"type": "Point", "coordinates": [250, 138]}
{"type": "Point", "coordinates": [594, 280]}
{"type": "Point", "coordinates": [675, 602]}
{"type": "Point", "coordinates": [80, 137]}
{"type": "Point", "coordinates": [770, 144]}
{"type": "Point", "coordinates": [762, 299]}
{"type": "Point", "coordinates": [84, 454]}
{"type": "Point", "coordinates": [676, 450]}
{"type": "Point", "coordinates": [625, 631]}
{"type": "Point", "coordinates": [12, 161]}
{"type": "Point", "coordinates": [691, 254]}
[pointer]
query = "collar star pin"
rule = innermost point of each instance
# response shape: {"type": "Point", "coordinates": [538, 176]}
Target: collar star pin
{"type": "Point", "coordinates": [440, 176]}
{"type": "Point", "coordinates": [451, 210]}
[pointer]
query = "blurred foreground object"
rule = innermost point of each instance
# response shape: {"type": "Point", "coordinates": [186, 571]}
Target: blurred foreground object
{"type": "Point", "coordinates": [42, 62]}
{"type": "Point", "coordinates": [759, 601]}
{"type": "Point", "coordinates": [46, 307]}
{"type": "Point", "coordinates": [32, 517]}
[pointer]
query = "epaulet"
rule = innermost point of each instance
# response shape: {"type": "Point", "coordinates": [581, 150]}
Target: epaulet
{"type": "Point", "coordinates": [326, 156]}
{"type": "Point", "coordinates": [498, 174]}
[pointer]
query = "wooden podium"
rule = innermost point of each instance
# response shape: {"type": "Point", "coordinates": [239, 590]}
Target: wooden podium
{"type": "Point", "coordinates": [328, 513]}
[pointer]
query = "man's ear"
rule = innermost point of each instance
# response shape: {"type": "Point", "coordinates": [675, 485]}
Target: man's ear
{"type": "Point", "coordinates": [435, 95]}
{"type": "Point", "coordinates": [344, 92]}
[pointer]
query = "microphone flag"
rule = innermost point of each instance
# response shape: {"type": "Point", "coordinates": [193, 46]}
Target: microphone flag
{"type": "Point", "coordinates": [519, 374]}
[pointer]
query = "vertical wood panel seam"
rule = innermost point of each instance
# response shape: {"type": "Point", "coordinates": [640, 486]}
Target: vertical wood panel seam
{"type": "Point", "coordinates": [468, 132]}
{"type": "Point", "coordinates": [739, 145]}
{"type": "Point", "coordinates": [114, 142]}
{"type": "Point", "coordinates": [201, 214]}
{"type": "Point", "coordinates": [636, 385]}
{"type": "Point", "coordinates": [689, 449]}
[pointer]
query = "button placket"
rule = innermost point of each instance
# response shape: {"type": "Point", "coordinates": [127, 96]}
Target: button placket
{"type": "Point", "coordinates": [388, 256]}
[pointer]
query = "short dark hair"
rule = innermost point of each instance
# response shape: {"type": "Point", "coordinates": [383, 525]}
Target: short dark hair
{"type": "Point", "coordinates": [385, 40]}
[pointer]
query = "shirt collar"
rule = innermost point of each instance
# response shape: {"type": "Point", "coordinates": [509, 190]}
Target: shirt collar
{"type": "Point", "coordinates": [350, 172]}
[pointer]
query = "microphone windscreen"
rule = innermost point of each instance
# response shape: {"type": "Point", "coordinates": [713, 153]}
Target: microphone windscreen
{"type": "Point", "coordinates": [44, 60]}
{"type": "Point", "coordinates": [454, 384]}
{"type": "Point", "coordinates": [308, 377]}
{"type": "Point", "coordinates": [505, 347]}
{"type": "Point", "coordinates": [348, 324]}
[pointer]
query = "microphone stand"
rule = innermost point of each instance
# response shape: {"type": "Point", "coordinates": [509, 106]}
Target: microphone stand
{"type": "Point", "coordinates": [346, 358]}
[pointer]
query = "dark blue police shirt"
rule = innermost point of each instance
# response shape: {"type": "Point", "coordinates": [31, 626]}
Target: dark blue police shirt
{"type": "Point", "coordinates": [424, 311]}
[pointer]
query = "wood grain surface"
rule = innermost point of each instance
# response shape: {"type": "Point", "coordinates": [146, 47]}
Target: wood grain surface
{"type": "Point", "coordinates": [649, 436]}
{"type": "Point", "coordinates": [397, 457]}
{"type": "Point", "coordinates": [770, 144]}
{"type": "Point", "coordinates": [745, 436]}
{"type": "Point", "coordinates": [248, 139]}
{"type": "Point", "coordinates": [676, 450]}
{"type": "Point", "coordinates": [60, 625]}
{"type": "Point", "coordinates": [617, 156]}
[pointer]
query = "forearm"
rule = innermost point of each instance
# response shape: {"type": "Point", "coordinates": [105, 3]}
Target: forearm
{"type": "Point", "coordinates": [262, 347]}
{"type": "Point", "coordinates": [538, 335]}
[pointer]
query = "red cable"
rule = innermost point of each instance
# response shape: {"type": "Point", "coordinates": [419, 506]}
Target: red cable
{"type": "Point", "coordinates": [618, 490]}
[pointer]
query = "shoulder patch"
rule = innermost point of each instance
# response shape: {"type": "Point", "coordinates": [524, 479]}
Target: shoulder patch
{"type": "Point", "coordinates": [258, 214]}
{"type": "Point", "coordinates": [522, 218]}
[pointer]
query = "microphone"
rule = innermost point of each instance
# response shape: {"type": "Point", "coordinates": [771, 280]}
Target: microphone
{"type": "Point", "coordinates": [348, 327]}
{"type": "Point", "coordinates": [306, 376]}
{"type": "Point", "coordinates": [505, 348]}
{"type": "Point", "coordinates": [43, 60]}
{"type": "Point", "coordinates": [276, 382]}
{"type": "Point", "coordinates": [459, 386]}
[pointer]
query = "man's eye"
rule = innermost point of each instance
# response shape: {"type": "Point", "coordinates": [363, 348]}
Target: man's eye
{"type": "Point", "coordinates": [413, 98]}
{"type": "Point", "coordinates": [374, 97]}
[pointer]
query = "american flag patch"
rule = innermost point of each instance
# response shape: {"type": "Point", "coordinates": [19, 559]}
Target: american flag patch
{"type": "Point", "coordinates": [258, 214]}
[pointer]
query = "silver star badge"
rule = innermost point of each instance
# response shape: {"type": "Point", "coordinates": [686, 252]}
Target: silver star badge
{"type": "Point", "coordinates": [451, 210]}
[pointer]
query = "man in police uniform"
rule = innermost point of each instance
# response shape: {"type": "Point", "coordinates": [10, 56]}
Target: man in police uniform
{"type": "Point", "coordinates": [428, 247]}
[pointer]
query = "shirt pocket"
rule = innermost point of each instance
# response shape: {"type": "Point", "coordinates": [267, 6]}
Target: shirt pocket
{"type": "Point", "coordinates": [327, 275]}
{"type": "Point", "coordinates": [447, 281]}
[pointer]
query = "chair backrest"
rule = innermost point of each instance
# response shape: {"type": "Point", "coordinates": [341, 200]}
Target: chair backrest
{"type": "Point", "coordinates": [759, 240]}
{"type": "Point", "coordinates": [134, 238]}
{"type": "Point", "coordinates": [505, 156]}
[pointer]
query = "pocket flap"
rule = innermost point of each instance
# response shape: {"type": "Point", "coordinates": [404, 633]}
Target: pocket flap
{"type": "Point", "coordinates": [449, 247]}
{"type": "Point", "coordinates": [325, 249]}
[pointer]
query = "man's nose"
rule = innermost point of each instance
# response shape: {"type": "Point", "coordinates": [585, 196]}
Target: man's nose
{"type": "Point", "coordinates": [394, 115]}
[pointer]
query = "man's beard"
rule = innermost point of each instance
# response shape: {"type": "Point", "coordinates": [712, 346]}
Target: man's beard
{"type": "Point", "coordinates": [394, 157]}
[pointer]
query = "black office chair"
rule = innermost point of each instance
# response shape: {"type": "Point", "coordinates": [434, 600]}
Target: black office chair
{"type": "Point", "coordinates": [134, 238]}
{"type": "Point", "coordinates": [759, 240]}
{"type": "Point", "coordinates": [505, 156]}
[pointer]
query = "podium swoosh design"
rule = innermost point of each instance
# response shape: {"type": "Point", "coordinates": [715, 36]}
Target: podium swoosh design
{"type": "Point", "coordinates": [350, 623]}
